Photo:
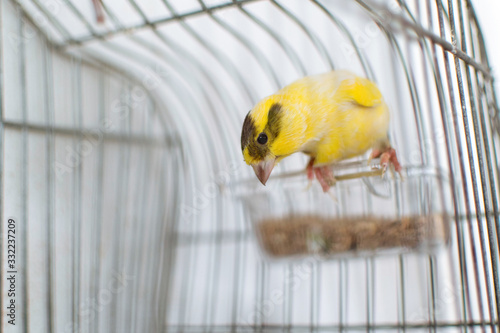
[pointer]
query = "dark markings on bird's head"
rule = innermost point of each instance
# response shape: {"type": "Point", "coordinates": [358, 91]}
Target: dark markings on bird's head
{"type": "Point", "coordinates": [274, 120]}
{"type": "Point", "coordinates": [272, 129]}
{"type": "Point", "coordinates": [248, 131]}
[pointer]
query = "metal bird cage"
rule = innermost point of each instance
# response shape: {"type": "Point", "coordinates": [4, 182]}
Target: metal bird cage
{"type": "Point", "coordinates": [120, 127]}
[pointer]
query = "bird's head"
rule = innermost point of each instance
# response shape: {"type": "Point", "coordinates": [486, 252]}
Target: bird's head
{"type": "Point", "coordinates": [271, 131]}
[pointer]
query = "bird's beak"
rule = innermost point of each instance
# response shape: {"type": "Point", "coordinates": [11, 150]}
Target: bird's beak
{"type": "Point", "coordinates": [263, 169]}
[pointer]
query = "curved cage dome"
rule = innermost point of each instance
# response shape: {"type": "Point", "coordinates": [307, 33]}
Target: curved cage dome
{"type": "Point", "coordinates": [122, 124]}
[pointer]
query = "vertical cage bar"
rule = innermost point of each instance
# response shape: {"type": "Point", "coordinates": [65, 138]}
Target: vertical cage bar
{"type": "Point", "coordinates": [432, 292]}
{"type": "Point", "coordinates": [77, 194]}
{"type": "Point", "coordinates": [24, 174]}
{"type": "Point", "coordinates": [2, 134]}
{"type": "Point", "coordinates": [120, 221]}
{"type": "Point", "coordinates": [402, 293]}
{"type": "Point", "coordinates": [97, 236]}
{"type": "Point", "coordinates": [48, 75]}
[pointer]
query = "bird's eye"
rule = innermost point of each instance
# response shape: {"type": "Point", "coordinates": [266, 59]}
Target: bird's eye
{"type": "Point", "coordinates": [262, 139]}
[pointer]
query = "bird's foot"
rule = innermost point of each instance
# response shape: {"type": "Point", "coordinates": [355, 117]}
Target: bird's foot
{"type": "Point", "coordinates": [387, 157]}
{"type": "Point", "coordinates": [324, 175]}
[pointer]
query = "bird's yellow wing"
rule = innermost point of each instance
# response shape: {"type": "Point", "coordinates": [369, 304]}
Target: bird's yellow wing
{"type": "Point", "coordinates": [362, 91]}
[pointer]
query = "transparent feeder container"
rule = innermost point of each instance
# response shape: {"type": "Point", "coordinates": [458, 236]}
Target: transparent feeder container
{"type": "Point", "coordinates": [364, 214]}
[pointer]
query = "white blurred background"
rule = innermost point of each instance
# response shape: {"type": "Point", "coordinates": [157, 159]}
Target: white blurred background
{"type": "Point", "coordinates": [489, 16]}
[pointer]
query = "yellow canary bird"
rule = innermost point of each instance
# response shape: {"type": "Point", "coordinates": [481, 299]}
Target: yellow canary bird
{"type": "Point", "coordinates": [330, 117]}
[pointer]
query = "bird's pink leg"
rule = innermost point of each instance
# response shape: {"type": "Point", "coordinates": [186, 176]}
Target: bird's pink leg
{"type": "Point", "coordinates": [309, 169]}
{"type": "Point", "coordinates": [323, 173]}
{"type": "Point", "coordinates": [374, 154]}
{"type": "Point", "coordinates": [325, 177]}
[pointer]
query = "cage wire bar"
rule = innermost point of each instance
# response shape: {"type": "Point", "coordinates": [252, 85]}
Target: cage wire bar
{"type": "Point", "coordinates": [120, 139]}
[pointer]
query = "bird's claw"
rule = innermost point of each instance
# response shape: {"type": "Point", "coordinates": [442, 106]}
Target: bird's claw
{"type": "Point", "coordinates": [309, 185]}
{"type": "Point", "coordinates": [333, 196]}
